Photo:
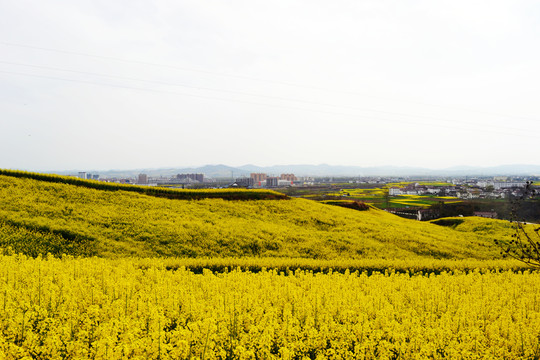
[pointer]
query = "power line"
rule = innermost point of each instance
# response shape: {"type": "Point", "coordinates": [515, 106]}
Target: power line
{"type": "Point", "coordinates": [249, 94]}
{"type": "Point", "coordinates": [258, 80]}
{"type": "Point", "coordinates": [149, 64]}
{"type": "Point", "coordinates": [256, 103]}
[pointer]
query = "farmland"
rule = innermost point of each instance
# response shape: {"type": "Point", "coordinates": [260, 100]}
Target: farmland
{"type": "Point", "coordinates": [41, 217]}
{"type": "Point", "coordinates": [109, 273]}
{"type": "Point", "coordinates": [375, 194]}
{"type": "Point", "coordinates": [115, 309]}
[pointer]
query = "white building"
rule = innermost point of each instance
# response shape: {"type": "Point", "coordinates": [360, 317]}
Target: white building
{"type": "Point", "coordinates": [506, 185]}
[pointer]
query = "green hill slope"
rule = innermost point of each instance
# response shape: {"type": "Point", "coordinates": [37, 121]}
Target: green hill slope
{"type": "Point", "coordinates": [39, 217]}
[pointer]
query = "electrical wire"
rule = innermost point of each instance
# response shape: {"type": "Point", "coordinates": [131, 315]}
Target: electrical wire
{"type": "Point", "coordinates": [356, 116]}
{"type": "Point", "coordinates": [250, 94]}
{"type": "Point", "coordinates": [146, 63]}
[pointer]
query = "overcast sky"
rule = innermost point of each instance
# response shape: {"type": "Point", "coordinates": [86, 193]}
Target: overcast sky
{"type": "Point", "coordinates": [97, 85]}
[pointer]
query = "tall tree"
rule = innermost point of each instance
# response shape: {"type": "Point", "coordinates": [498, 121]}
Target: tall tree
{"type": "Point", "coordinates": [525, 243]}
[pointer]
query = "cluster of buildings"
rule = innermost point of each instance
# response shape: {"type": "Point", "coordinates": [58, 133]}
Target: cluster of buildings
{"type": "Point", "coordinates": [255, 180]}
{"type": "Point", "coordinates": [491, 190]}
{"type": "Point", "coordinates": [179, 179]}
{"type": "Point", "coordinates": [477, 190]}
{"type": "Point", "coordinates": [417, 189]}
{"type": "Point", "coordinates": [499, 187]}
{"type": "Point", "coordinates": [261, 180]}
{"type": "Point", "coordinates": [87, 176]}
{"type": "Point", "coordinates": [144, 179]}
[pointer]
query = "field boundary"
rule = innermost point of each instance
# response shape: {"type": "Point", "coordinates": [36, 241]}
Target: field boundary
{"type": "Point", "coordinates": [289, 266]}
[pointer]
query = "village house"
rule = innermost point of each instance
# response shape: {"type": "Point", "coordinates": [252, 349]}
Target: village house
{"type": "Point", "coordinates": [486, 214]}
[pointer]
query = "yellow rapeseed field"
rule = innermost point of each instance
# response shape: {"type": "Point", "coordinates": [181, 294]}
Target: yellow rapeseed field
{"type": "Point", "coordinates": [252, 279]}
{"type": "Point", "coordinates": [42, 217]}
{"type": "Point", "coordinates": [115, 309]}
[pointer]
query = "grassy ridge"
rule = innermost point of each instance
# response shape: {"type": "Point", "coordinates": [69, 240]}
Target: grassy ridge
{"type": "Point", "coordinates": [180, 194]}
{"type": "Point", "coordinates": [56, 216]}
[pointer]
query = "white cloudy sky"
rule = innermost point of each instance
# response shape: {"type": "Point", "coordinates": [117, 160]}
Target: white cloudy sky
{"type": "Point", "coordinates": [162, 83]}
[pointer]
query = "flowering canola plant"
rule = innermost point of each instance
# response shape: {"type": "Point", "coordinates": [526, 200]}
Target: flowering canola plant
{"type": "Point", "coordinates": [45, 217]}
{"type": "Point", "coordinates": [95, 308]}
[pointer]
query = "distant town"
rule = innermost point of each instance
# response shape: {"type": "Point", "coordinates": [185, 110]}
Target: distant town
{"type": "Point", "coordinates": [255, 180]}
{"type": "Point", "coordinates": [495, 187]}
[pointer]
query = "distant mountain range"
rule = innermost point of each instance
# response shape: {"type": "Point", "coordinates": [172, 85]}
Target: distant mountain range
{"type": "Point", "coordinates": [224, 171]}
